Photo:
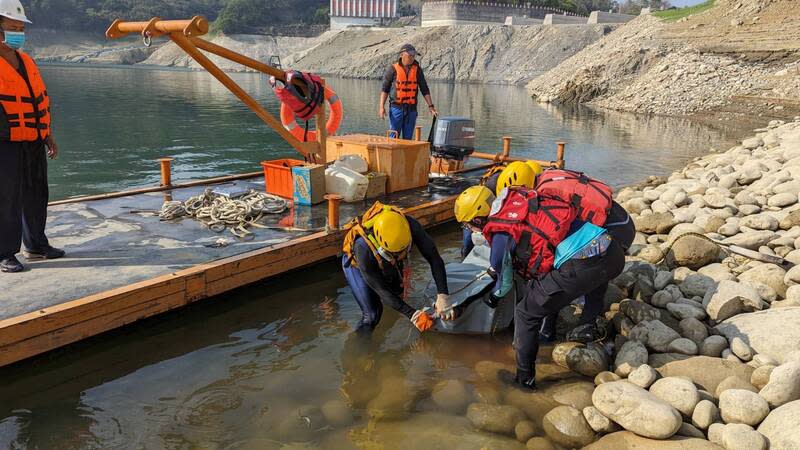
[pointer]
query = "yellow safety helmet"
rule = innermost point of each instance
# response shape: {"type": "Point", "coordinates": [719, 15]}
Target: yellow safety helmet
{"type": "Point", "coordinates": [391, 231]}
{"type": "Point", "coordinates": [537, 168]}
{"type": "Point", "coordinates": [475, 201]}
{"type": "Point", "coordinates": [516, 174]}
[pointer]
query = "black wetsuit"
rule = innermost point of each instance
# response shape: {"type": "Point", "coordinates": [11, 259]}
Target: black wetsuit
{"type": "Point", "coordinates": [373, 286]}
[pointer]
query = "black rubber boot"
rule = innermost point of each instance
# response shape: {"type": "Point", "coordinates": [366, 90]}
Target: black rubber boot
{"type": "Point", "coordinates": [11, 265]}
{"type": "Point", "coordinates": [48, 253]}
{"type": "Point", "coordinates": [583, 333]}
{"type": "Point", "coordinates": [523, 381]}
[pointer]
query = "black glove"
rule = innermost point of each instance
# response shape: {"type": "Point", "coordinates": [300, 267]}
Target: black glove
{"type": "Point", "coordinates": [492, 300]}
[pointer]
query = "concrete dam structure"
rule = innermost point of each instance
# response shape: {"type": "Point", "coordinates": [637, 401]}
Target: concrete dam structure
{"type": "Point", "coordinates": [450, 13]}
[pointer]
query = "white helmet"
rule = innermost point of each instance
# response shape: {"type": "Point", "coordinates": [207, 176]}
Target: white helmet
{"type": "Point", "coordinates": [13, 10]}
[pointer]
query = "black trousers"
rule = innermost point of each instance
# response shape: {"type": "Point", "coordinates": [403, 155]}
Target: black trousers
{"type": "Point", "coordinates": [555, 290]}
{"type": "Point", "coordinates": [24, 195]}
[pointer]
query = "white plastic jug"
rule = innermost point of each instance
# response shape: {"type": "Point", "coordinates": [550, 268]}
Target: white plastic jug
{"type": "Point", "coordinates": [351, 185]}
{"type": "Point", "coordinates": [352, 162]}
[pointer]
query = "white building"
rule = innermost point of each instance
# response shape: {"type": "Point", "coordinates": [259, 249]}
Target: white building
{"type": "Point", "coordinates": [361, 13]}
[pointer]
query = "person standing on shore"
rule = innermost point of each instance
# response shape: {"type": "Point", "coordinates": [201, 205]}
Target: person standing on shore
{"type": "Point", "coordinates": [402, 83]}
{"type": "Point", "coordinates": [25, 144]}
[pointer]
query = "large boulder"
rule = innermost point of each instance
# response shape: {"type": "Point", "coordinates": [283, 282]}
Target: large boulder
{"type": "Point", "coordinates": [658, 223]}
{"type": "Point", "coordinates": [731, 298]}
{"type": "Point", "coordinates": [773, 332]}
{"type": "Point", "coordinates": [627, 440]}
{"type": "Point", "coordinates": [704, 414]}
{"type": "Point", "coordinates": [566, 426]}
{"type": "Point", "coordinates": [678, 392]}
{"type": "Point", "coordinates": [738, 436]}
{"type": "Point", "coordinates": [429, 431]}
{"type": "Point", "coordinates": [742, 406]}
{"type": "Point", "coordinates": [769, 274]}
{"type": "Point", "coordinates": [780, 427]}
{"type": "Point", "coordinates": [784, 384]}
{"type": "Point", "coordinates": [695, 330]}
{"type": "Point", "coordinates": [499, 419]}
{"type": "Point", "coordinates": [636, 410]}
{"type": "Point", "coordinates": [654, 335]}
{"type": "Point", "coordinates": [705, 371]}
{"type": "Point", "coordinates": [693, 252]}
{"type": "Point", "coordinates": [451, 396]}
{"type": "Point", "coordinates": [751, 240]}
{"type": "Point", "coordinates": [632, 355]}
{"type": "Point", "coordinates": [588, 360]}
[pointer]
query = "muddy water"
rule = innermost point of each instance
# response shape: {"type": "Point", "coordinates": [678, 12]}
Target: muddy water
{"type": "Point", "coordinates": [276, 365]}
{"type": "Point", "coordinates": [251, 370]}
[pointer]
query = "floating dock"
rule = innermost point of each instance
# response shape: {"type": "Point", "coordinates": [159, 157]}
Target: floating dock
{"type": "Point", "coordinates": [124, 264]}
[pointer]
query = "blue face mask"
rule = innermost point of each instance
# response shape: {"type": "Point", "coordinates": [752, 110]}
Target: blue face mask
{"type": "Point", "coordinates": [15, 39]}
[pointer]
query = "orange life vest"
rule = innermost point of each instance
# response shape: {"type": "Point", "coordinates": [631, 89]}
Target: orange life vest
{"type": "Point", "coordinates": [406, 84]}
{"type": "Point", "coordinates": [27, 113]}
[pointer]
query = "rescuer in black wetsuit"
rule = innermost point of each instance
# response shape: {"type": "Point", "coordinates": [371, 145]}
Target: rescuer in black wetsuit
{"type": "Point", "coordinates": [375, 257]}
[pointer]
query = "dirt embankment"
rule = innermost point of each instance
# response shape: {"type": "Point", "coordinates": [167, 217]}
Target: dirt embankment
{"type": "Point", "coordinates": [475, 53]}
{"type": "Point", "coordinates": [739, 59]}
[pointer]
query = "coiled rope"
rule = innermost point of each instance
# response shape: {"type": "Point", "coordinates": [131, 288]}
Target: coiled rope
{"type": "Point", "coordinates": [219, 213]}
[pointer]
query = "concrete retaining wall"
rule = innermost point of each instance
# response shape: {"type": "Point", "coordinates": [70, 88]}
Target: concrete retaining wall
{"type": "Point", "coordinates": [516, 20]}
{"type": "Point", "coordinates": [560, 19]}
{"type": "Point", "coordinates": [459, 12]}
{"type": "Point", "coordinates": [606, 17]}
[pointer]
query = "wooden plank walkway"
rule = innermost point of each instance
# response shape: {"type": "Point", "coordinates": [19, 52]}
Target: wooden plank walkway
{"type": "Point", "coordinates": [124, 265]}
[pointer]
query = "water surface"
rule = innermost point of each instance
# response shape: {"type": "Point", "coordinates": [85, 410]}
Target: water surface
{"type": "Point", "coordinates": [250, 368]}
{"type": "Point", "coordinates": [112, 124]}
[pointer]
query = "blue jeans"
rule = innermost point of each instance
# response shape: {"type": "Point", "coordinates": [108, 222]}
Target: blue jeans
{"type": "Point", "coordinates": [367, 299]}
{"type": "Point", "coordinates": [403, 121]}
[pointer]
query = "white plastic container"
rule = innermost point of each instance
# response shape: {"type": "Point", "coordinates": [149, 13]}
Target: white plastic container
{"type": "Point", "coordinates": [351, 185]}
{"type": "Point", "coordinates": [353, 162]}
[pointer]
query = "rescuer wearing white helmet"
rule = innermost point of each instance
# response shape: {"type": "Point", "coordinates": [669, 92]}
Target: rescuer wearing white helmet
{"type": "Point", "coordinates": [25, 143]}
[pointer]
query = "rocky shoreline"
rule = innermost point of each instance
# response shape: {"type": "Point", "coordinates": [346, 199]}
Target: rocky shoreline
{"type": "Point", "coordinates": [703, 346]}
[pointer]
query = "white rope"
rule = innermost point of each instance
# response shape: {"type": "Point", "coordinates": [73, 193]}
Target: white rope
{"type": "Point", "coordinates": [220, 212]}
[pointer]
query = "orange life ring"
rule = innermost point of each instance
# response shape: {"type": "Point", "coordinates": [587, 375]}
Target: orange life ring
{"type": "Point", "coordinates": [334, 118]}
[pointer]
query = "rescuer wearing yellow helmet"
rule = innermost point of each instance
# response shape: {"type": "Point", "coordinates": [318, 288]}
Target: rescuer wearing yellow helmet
{"type": "Point", "coordinates": [517, 173]}
{"type": "Point", "coordinates": [376, 250]}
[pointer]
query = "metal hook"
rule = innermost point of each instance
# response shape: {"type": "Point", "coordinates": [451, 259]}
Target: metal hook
{"type": "Point", "coordinates": [147, 40]}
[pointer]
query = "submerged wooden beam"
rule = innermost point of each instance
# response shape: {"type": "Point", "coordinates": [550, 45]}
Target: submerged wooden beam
{"type": "Point", "coordinates": [37, 332]}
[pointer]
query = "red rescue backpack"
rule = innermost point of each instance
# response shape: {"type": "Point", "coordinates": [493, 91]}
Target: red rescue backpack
{"type": "Point", "coordinates": [591, 197]}
{"type": "Point", "coordinates": [305, 100]}
{"type": "Point", "coordinates": [537, 223]}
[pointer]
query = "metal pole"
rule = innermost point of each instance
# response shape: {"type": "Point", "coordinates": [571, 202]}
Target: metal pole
{"type": "Point", "coordinates": [560, 154]}
{"type": "Point", "coordinates": [506, 145]}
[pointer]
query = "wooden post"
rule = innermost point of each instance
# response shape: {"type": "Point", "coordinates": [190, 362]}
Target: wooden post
{"type": "Point", "coordinates": [333, 211]}
{"type": "Point", "coordinates": [560, 154]}
{"type": "Point", "coordinates": [506, 145]}
{"type": "Point", "coordinates": [166, 171]}
{"type": "Point", "coordinates": [418, 133]}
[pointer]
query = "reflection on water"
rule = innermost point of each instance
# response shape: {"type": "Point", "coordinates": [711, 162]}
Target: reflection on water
{"type": "Point", "coordinates": [269, 365]}
{"type": "Point", "coordinates": [112, 123]}
{"type": "Point", "coordinates": [277, 363]}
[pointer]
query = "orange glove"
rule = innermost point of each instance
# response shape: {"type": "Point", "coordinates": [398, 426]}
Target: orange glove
{"type": "Point", "coordinates": [422, 321]}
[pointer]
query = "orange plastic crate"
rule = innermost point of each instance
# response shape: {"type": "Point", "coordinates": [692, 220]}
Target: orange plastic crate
{"type": "Point", "coordinates": [278, 176]}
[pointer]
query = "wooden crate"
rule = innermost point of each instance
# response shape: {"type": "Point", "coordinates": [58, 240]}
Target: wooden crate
{"type": "Point", "coordinates": [377, 185]}
{"type": "Point", "coordinates": [405, 163]}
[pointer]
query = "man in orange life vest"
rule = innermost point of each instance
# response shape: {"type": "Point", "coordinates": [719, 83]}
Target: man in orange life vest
{"type": "Point", "coordinates": [25, 141]}
{"type": "Point", "coordinates": [401, 83]}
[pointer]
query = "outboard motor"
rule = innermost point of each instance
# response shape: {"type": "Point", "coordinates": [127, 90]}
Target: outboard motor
{"type": "Point", "coordinates": [453, 138]}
